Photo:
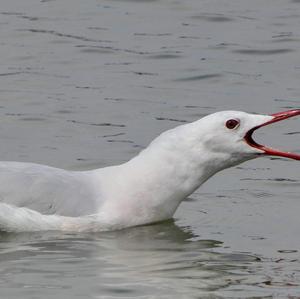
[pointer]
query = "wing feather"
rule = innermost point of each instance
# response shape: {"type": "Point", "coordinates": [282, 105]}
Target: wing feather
{"type": "Point", "coordinates": [47, 190]}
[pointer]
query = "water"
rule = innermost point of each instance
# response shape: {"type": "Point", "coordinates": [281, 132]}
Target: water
{"type": "Point", "coordinates": [86, 84]}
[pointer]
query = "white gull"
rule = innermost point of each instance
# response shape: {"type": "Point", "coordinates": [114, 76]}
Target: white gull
{"type": "Point", "coordinates": [146, 189]}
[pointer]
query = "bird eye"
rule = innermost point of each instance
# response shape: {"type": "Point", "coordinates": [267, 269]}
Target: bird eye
{"type": "Point", "coordinates": [232, 123]}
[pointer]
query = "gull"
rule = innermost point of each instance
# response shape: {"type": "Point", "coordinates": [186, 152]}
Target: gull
{"type": "Point", "coordinates": [146, 189]}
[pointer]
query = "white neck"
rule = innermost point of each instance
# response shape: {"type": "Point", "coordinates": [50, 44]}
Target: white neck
{"type": "Point", "coordinates": [150, 187]}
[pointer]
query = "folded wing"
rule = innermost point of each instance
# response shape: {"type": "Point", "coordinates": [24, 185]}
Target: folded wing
{"type": "Point", "coordinates": [47, 190]}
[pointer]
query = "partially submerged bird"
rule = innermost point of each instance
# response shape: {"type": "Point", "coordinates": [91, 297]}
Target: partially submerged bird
{"type": "Point", "coordinates": [146, 189]}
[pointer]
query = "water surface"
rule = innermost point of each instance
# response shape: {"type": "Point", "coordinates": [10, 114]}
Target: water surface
{"type": "Point", "coordinates": [86, 84]}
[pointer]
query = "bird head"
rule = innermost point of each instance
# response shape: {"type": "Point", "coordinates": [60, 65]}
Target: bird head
{"type": "Point", "coordinates": [231, 133]}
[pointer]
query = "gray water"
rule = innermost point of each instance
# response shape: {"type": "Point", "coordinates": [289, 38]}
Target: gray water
{"type": "Point", "coordinates": [86, 84]}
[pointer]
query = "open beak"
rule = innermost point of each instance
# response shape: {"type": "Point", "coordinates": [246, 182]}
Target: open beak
{"type": "Point", "coordinates": [267, 150]}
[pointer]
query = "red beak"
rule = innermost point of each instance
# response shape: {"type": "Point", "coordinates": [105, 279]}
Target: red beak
{"type": "Point", "coordinates": [267, 150]}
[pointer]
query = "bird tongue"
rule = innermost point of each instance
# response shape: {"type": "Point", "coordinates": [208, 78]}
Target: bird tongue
{"type": "Point", "coordinates": [268, 150]}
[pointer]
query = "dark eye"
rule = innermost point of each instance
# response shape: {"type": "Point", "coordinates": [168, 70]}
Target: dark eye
{"type": "Point", "coordinates": [232, 123]}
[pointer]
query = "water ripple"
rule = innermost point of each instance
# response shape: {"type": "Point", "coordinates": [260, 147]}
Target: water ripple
{"type": "Point", "coordinates": [262, 51]}
{"type": "Point", "coordinates": [65, 35]}
{"type": "Point", "coordinates": [199, 77]}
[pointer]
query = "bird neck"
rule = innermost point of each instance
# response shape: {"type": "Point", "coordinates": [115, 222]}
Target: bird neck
{"type": "Point", "coordinates": [151, 186]}
{"type": "Point", "coordinates": [170, 174]}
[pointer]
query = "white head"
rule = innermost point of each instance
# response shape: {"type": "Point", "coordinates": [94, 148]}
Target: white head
{"type": "Point", "coordinates": [223, 134]}
{"type": "Point", "coordinates": [223, 139]}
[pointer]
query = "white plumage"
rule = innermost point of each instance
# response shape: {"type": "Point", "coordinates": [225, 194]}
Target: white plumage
{"type": "Point", "coordinates": [146, 189]}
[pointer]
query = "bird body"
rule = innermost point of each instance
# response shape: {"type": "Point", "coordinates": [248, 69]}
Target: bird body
{"type": "Point", "coordinates": [146, 189]}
